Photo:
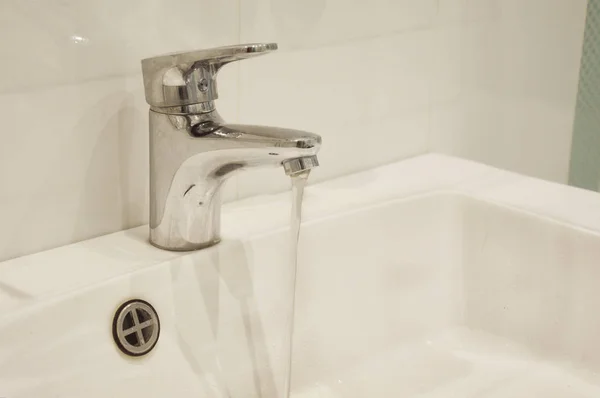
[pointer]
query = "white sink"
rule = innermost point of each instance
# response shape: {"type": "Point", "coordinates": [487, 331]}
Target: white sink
{"type": "Point", "coordinates": [432, 277]}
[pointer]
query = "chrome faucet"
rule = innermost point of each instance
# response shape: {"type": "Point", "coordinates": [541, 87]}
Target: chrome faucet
{"type": "Point", "coordinates": [193, 151]}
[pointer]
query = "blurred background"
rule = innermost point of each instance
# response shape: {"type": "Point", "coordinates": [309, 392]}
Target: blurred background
{"type": "Point", "coordinates": [510, 83]}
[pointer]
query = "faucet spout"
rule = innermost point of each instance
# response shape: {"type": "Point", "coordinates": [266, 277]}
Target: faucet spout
{"type": "Point", "coordinates": [299, 165]}
{"type": "Point", "coordinates": [266, 145]}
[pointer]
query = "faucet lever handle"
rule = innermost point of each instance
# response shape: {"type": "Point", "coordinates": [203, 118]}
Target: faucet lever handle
{"type": "Point", "coordinates": [186, 78]}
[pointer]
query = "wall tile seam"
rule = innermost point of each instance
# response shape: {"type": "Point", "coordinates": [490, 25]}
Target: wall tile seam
{"type": "Point", "coordinates": [25, 90]}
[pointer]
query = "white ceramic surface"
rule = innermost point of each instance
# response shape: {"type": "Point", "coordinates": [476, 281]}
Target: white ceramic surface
{"type": "Point", "coordinates": [431, 277]}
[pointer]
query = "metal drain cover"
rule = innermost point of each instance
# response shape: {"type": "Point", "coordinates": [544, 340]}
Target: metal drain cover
{"type": "Point", "coordinates": [136, 327]}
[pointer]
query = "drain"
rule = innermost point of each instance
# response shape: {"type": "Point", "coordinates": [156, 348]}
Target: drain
{"type": "Point", "coordinates": [136, 327]}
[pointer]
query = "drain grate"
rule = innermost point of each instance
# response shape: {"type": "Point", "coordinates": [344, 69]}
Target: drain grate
{"type": "Point", "coordinates": [136, 327]}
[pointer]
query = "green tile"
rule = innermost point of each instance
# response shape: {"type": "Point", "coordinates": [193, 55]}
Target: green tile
{"type": "Point", "coordinates": [584, 170]}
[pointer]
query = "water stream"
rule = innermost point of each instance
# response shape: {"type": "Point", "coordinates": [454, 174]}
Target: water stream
{"type": "Point", "coordinates": [298, 183]}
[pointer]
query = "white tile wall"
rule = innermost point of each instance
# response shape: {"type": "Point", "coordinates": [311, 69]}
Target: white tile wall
{"type": "Point", "coordinates": [73, 119]}
{"type": "Point", "coordinates": [513, 72]}
{"type": "Point", "coordinates": [316, 23]}
{"type": "Point", "coordinates": [368, 99]}
{"type": "Point", "coordinates": [380, 80]}
{"type": "Point", "coordinates": [58, 41]}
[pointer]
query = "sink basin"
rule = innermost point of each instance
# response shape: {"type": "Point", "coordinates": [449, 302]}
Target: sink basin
{"type": "Point", "coordinates": [431, 277]}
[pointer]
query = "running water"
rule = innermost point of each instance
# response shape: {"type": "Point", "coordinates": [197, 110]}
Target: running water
{"type": "Point", "coordinates": [298, 183]}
